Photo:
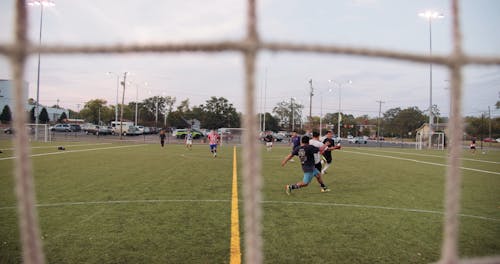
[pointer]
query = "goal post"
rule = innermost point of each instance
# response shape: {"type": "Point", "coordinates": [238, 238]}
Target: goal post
{"type": "Point", "coordinates": [438, 140]}
{"type": "Point", "coordinates": [39, 132]}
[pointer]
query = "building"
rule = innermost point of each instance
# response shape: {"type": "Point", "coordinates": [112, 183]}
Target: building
{"type": "Point", "coordinates": [7, 98]}
{"type": "Point", "coordinates": [7, 95]}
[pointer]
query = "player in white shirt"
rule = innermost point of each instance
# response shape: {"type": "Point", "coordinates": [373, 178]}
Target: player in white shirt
{"type": "Point", "coordinates": [189, 140]}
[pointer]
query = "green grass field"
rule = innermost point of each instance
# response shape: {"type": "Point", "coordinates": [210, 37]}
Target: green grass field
{"type": "Point", "coordinates": [117, 203]}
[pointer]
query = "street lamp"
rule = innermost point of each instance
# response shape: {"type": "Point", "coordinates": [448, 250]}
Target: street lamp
{"type": "Point", "coordinates": [430, 15]}
{"type": "Point", "coordinates": [321, 112]}
{"type": "Point", "coordinates": [117, 88]}
{"type": "Point", "coordinates": [339, 84]}
{"type": "Point", "coordinates": [42, 4]}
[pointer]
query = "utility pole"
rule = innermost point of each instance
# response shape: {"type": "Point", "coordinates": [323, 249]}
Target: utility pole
{"type": "Point", "coordinates": [293, 114]}
{"type": "Point", "coordinates": [310, 103]}
{"type": "Point", "coordinates": [264, 110]}
{"type": "Point", "coordinates": [378, 120]}
{"type": "Point", "coordinates": [124, 83]}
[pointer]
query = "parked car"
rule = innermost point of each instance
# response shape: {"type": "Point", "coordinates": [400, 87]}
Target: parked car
{"type": "Point", "coordinates": [10, 130]}
{"type": "Point", "coordinates": [132, 131]}
{"type": "Point", "coordinates": [61, 128]}
{"type": "Point", "coordinates": [489, 140]}
{"type": "Point", "coordinates": [98, 130]}
{"type": "Point", "coordinates": [75, 127]}
{"type": "Point", "coordinates": [181, 133]}
{"type": "Point", "coordinates": [358, 140]}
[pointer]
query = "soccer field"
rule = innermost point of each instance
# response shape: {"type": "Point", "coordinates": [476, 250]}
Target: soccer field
{"type": "Point", "coordinates": [139, 203]}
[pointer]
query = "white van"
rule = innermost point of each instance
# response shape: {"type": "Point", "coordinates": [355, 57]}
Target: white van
{"type": "Point", "coordinates": [125, 126]}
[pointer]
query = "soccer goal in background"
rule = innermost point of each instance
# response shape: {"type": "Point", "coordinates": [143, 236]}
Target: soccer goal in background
{"type": "Point", "coordinates": [437, 140]}
{"type": "Point", "coordinates": [38, 132]}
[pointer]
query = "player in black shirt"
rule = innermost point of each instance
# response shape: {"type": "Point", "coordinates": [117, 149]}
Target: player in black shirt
{"type": "Point", "coordinates": [328, 152]}
{"type": "Point", "coordinates": [305, 152]}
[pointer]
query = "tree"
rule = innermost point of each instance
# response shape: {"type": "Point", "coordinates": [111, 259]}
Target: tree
{"type": "Point", "coordinates": [6, 115]}
{"type": "Point", "coordinates": [288, 113]}
{"type": "Point", "coordinates": [272, 123]}
{"type": "Point", "coordinates": [400, 122]}
{"type": "Point", "coordinates": [218, 112]}
{"type": "Point", "coordinates": [44, 116]}
{"type": "Point", "coordinates": [96, 110]}
{"type": "Point", "coordinates": [62, 117]}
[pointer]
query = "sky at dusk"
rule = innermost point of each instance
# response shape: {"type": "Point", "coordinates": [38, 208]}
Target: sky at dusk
{"type": "Point", "coordinates": [386, 24]}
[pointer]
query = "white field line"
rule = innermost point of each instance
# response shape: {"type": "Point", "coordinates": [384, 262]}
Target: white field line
{"type": "Point", "coordinates": [419, 161]}
{"type": "Point", "coordinates": [263, 202]}
{"type": "Point", "coordinates": [77, 145]}
{"type": "Point", "coordinates": [74, 151]}
{"type": "Point", "coordinates": [429, 155]}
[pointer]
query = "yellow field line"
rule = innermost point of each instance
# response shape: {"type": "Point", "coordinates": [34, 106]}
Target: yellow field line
{"type": "Point", "coordinates": [235, 222]}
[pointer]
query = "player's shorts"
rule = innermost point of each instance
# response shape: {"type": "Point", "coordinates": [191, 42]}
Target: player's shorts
{"type": "Point", "coordinates": [328, 156]}
{"type": "Point", "coordinates": [308, 176]}
{"type": "Point", "coordinates": [269, 144]}
{"type": "Point", "coordinates": [213, 147]}
{"type": "Point", "coordinates": [189, 142]}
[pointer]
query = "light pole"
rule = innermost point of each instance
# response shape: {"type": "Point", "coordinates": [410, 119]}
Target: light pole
{"type": "Point", "coordinates": [124, 83]}
{"type": "Point", "coordinates": [321, 113]}
{"type": "Point", "coordinates": [430, 15]}
{"type": "Point", "coordinates": [42, 4]}
{"type": "Point", "coordinates": [339, 84]}
{"type": "Point", "coordinates": [117, 89]}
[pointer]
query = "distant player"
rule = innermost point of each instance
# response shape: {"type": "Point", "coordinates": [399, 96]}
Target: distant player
{"type": "Point", "coordinates": [328, 152]}
{"type": "Point", "coordinates": [305, 152]}
{"type": "Point", "coordinates": [189, 140]}
{"type": "Point", "coordinates": [213, 140]}
{"type": "Point", "coordinates": [162, 137]}
{"type": "Point", "coordinates": [473, 145]}
{"type": "Point", "coordinates": [269, 141]}
{"type": "Point", "coordinates": [295, 141]}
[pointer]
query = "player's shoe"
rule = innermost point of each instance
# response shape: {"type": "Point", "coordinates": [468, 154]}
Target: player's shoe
{"type": "Point", "coordinates": [325, 189]}
{"type": "Point", "coordinates": [288, 189]}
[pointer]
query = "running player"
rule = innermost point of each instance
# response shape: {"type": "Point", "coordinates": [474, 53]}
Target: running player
{"type": "Point", "coordinates": [213, 140]}
{"type": "Point", "coordinates": [317, 156]}
{"type": "Point", "coordinates": [328, 152]}
{"type": "Point", "coordinates": [269, 141]}
{"type": "Point", "coordinates": [295, 140]}
{"type": "Point", "coordinates": [305, 152]}
{"type": "Point", "coordinates": [189, 140]}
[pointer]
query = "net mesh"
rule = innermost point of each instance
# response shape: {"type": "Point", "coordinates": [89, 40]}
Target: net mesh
{"type": "Point", "coordinates": [250, 47]}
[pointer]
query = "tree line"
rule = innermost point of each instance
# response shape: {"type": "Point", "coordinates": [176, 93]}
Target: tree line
{"type": "Point", "coordinates": [218, 112]}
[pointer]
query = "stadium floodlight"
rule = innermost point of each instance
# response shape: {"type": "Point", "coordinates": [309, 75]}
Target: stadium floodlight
{"type": "Point", "coordinates": [430, 15]}
{"type": "Point", "coordinates": [41, 3]}
{"type": "Point", "coordinates": [117, 89]}
{"type": "Point", "coordinates": [339, 84]}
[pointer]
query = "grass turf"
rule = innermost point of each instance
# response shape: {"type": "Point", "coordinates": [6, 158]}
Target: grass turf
{"type": "Point", "coordinates": [144, 204]}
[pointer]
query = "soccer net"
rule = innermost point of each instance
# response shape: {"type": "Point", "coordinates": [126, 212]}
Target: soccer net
{"type": "Point", "coordinates": [436, 140]}
{"type": "Point", "coordinates": [250, 47]}
{"type": "Point", "coordinates": [39, 132]}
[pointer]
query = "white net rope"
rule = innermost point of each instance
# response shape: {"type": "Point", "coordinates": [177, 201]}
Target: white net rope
{"type": "Point", "coordinates": [21, 49]}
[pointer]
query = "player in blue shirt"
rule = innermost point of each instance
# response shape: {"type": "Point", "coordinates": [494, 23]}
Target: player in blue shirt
{"type": "Point", "coordinates": [305, 152]}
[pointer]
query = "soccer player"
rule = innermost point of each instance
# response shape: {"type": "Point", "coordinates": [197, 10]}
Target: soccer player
{"type": "Point", "coordinates": [162, 137]}
{"type": "Point", "coordinates": [295, 140]}
{"type": "Point", "coordinates": [269, 141]}
{"type": "Point", "coordinates": [473, 145]}
{"type": "Point", "coordinates": [317, 156]}
{"type": "Point", "coordinates": [328, 152]}
{"type": "Point", "coordinates": [305, 152]}
{"type": "Point", "coordinates": [213, 140]}
{"type": "Point", "coordinates": [189, 140]}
